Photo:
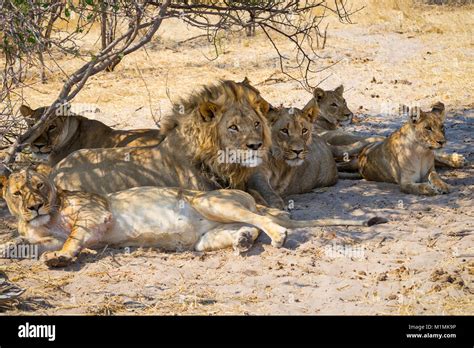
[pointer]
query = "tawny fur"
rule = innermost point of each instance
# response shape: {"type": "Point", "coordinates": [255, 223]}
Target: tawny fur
{"type": "Point", "coordinates": [198, 128]}
{"type": "Point", "coordinates": [334, 112]}
{"type": "Point", "coordinates": [69, 132]}
{"type": "Point", "coordinates": [299, 160]}
{"type": "Point", "coordinates": [406, 157]}
{"type": "Point", "coordinates": [62, 223]}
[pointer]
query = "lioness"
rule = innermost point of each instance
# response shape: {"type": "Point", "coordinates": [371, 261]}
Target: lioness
{"type": "Point", "coordinates": [203, 131]}
{"type": "Point", "coordinates": [406, 157]}
{"type": "Point", "coordinates": [64, 222]}
{"type": "Point", "coordinates": [299, 161]}
{"type": "Point", "coordinates": [69, 132]}
{"type": "Point", "coordinates": [334, 112]}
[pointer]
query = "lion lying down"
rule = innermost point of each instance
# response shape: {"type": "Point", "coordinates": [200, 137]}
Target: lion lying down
{"type": "Point", "coordinates": [64, 222]}
{"type": "Point", "coordinates": [407, 156]}
{"type": "Point", "coordinates": [69, 132]}
{"type": "Point", "coordinates": [334, 112]}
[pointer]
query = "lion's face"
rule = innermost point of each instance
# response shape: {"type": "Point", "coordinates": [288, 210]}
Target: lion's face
{"type": "Point", "coordinates": [29, 196]}
{"type": "Point", "coordinates": [243, 131]}
{"type": "Point", "coordinates": [224, 127]}
{"type": "Point", "coordinates": [58, 132]}
{"type": "Point", "coordinates": [333, 106]}
{"type": "Point", "coordinates": [429, 126]}
{"type": "Point", "coordinates": [291, 134]}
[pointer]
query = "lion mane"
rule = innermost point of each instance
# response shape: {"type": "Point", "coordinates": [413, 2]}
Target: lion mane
{"type": "Point", "coordinates": [202, 138]}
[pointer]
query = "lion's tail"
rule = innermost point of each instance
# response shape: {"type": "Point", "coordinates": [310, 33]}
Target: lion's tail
{"type": "Point", "coordinates": [281, 218]}
{"type": "Point", "coordinates": [328, 222]}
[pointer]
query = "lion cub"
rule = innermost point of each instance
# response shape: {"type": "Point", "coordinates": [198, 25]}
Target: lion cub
{"type": "Point", "coordinates": [299, 160]}
{"type": "Point", "coordinates": [334, 113]}
{"type": "Point", "coordinates": [407, 157]}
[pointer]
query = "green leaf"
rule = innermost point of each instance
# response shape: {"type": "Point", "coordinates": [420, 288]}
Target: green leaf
{"type": "Point", "coordinates": [67, 13]}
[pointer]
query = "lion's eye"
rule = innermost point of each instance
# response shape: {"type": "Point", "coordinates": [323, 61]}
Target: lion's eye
{"type": "Point", "coordinates": [40, 186]}
{"type": "Point", "coordinates": [234, 128]}
{"type": "Point", "coordinates": [304, 131]}
{"type": "Point", "coordinates": [257, 124]}
{"type": "Point", "coordinates": [428, 128]}
{"type": "Point", "coordinates": [284, 131]}
{"type": "Point", "coordinates": [334, 105]}
{"type": "Point", "coordinates": [17, 193]}
{"type": "Point", "coordinates": [51, 128]}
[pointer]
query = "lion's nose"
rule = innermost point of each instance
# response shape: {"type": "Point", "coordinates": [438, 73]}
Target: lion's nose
{"type": "Point", "coordinates": [254, 146]}
{"type": "Point", "coordinates": [40, 145]}
{"type": "Point", "coordinates": [297, 152]}
{"type": "Point", "coordinates": [35, 207]}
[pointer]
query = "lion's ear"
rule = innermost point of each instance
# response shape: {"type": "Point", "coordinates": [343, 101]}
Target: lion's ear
{"type": "Point", "coordinates": [319, 93]}
{"type": "Point", "coordinates": [246, 81]}
{"type": "Point", "coordinates": [263, 106]}
{"type": "Point", "coordinates": [26, 111]}
{"type": "Point", "coordinates": [339, 90]}
{"type": "Point", "coordinates": [439, 109]}
{"type": "Point", "coordinates": [273, 115]}
{"type": "Point", "coordinates": [311, 112]}
{"type": "Point", "coordinates": [208, 111]}
{"type": "Point", "coordinates": [29, 114]}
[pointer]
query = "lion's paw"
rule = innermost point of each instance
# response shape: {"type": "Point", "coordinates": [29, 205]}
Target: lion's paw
{"type": "Point", "coordinates": [457, 160]}
{"type": "Point", "coordinates": [243, 242]}
{"type": "Point", "coordinates": [279, 239]}
{"type": "Point", "coordinates": [56, 259]}
{"type": "Point", "coordinates": [438, 186]}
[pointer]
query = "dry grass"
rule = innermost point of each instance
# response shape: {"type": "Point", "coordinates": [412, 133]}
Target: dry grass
{"type": "Point", "coordinates": [415, 16]}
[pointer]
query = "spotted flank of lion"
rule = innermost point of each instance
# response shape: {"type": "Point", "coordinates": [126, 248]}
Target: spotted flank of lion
{"type": "Point", "coordinates": [69, 132]}
{"type": "Point", "coordinates": [62, 223]}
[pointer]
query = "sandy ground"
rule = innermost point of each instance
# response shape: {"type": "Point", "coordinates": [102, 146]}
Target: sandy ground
{"type": "Point", "coordinates": [421, 262]}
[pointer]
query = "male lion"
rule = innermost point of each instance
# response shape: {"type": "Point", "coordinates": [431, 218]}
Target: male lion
{"type": "Point", "coordinates": [205, 134]}
{"type": "Point", "coordinates": [299, 161]}
{"type": "Point", "coordinates": [69, 132]}
{"type": "Point", "coordinates": [406, 157]}
{"type": "Point", "coordinates": [334, 112]}
{"type": "Point", "coordinates": [62, 223]}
